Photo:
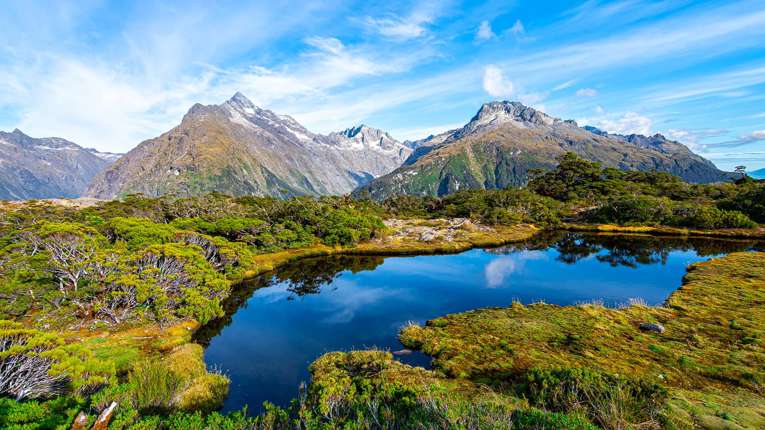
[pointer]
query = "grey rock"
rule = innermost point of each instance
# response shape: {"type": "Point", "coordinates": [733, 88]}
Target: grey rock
{"type": "Point", "coordinates": [658, 328]}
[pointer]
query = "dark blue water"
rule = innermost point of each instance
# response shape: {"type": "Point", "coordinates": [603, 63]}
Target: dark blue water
{"type": "Point", "coordinates": [279, 323]}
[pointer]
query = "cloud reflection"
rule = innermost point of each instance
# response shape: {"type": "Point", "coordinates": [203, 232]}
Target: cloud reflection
{"type": "Point", "coordinates": [502, 267]}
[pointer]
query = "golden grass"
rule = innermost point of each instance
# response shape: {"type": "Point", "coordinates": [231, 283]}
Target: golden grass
{"type": "Point", "coordinates": [714, 344]}
{"type": "Point", "coordinates": [743, 233]}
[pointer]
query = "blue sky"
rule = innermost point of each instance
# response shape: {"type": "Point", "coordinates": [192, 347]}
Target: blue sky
{"type": "Point", "coordinates": [110, 74]}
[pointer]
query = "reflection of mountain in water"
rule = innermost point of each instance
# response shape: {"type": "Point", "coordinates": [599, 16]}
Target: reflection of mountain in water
{"type": "Point", "coordinates": [626, 250]}
{"type": "Point", "coordinates": [306, 276]}
{"type": "Point", "coordinates": [309, 275]}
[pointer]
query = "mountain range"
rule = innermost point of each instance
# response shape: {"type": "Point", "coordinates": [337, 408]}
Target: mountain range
{"type": "Point", "coordinates": [758, 174]}
{"type": "Point", "coordinates": [505, 140]}
{"type": "Point", "coordinates": [48, 167]}
{"type": "Point", "coordinates": [238, 148]}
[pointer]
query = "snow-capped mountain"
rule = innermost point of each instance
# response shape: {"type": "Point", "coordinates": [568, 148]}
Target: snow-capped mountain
{"type": "Point", "coordinates": [48, 167]}
{"type": "Point", "coordinates": [241, 149]}
{"type": "Point", "coordinates": [505, 140]}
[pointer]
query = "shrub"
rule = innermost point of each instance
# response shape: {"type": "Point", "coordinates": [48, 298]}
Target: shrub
{"type": "Point", "coordinates": [170, 280]}
{"type": "Point", "coordinates": [700, 216]}
{"type": "Point", "coordinates": [633, 210]}
{"type": "Point", "coordinates": [34, 364]}
{"type": "Point", "coordinates": [39, 415]}
{"type": "Point", "coordinates": [610, 401]}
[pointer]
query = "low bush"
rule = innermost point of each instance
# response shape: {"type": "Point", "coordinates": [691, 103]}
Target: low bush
{"type": "Point", "coordinates": [36, 365]}
{"type": "Point", "coordinates": [611, 401]}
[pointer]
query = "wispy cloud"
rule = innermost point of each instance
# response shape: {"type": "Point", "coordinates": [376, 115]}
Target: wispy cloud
{"type": "Point", "coordinates": [564, 85]}
{"type": "Point", "coordinates": [624, 123]}
{"type": "Point", "coordinates": [517, 29]}
{"type": "Point", "coordinates": [747, 139]}
{"type": "Point", "coordinates": [410, 26]}
{"type": "Point", "coordinates": [721, 84]}
{"type": "Point", "coordinates": [693, 138]}
{"type": "Point", "coordinates": [586, 92]}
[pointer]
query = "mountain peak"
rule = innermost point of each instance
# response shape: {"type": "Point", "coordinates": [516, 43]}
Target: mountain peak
{"type": "Point", "coordinates": [241, 99]}
{"type": "Point", "coordinates": [511, 111]}
{"type": "Point", "coordinates": [364, 130]}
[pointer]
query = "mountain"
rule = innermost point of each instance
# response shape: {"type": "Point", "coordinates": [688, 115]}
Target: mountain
{"type": "Point", "coordinates": [49, 167]}
{"type": "Point", "coordinates": [238, 148]}
{"type": "Point", "coordinates": [505, 140]}
{"type": "Point", "coordinates": [758, 174]}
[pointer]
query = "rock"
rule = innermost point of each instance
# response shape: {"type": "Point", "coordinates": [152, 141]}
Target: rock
{"type": "Point", "coordinates": [658, 328]}
{"type": "Point", "coordinates": [80, 422]}
{"type": "Point", "coordinates": [402, 352]}
{"type": "Point", "coordinates": [428, 236]}
{"type": "Point", "coordinates": [102, 423]}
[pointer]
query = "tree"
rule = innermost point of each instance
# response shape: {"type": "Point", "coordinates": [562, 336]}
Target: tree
{"type": "Point", "coordinates": [71, 249]}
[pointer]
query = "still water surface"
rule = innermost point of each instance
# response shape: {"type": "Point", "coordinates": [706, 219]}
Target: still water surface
{"type": "Point", "coordinates": [280, 322]}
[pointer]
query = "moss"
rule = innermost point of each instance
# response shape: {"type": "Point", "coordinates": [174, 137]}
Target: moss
{"type": "Point", "coordinates": [205, 393]}
{"type": "Point", "coordinates": [200, 390]}
{"type": "Point", "coordinates": [699, 353]}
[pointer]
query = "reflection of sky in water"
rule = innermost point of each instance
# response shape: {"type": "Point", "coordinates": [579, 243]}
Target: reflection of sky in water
{"type": "Point", "coordinates": [271, 341]}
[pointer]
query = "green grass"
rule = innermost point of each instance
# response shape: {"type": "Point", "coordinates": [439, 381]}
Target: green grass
{"type": "Point", "coordinates": [715, 327]}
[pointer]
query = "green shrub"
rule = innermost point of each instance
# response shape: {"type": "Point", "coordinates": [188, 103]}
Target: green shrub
{"type": "Point", "coordinates": [633, 210]}
{"type": "Point", "coordinates": [34, 364]}
{"type": "Point", "coordinates": [39, 415]}
{"type": "Point", "coordinates": [608, 400]}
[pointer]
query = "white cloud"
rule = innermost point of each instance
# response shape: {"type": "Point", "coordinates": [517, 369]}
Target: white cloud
{"type": "Point", "coordinates": [499, 269]}
{"type": "Point", "coordinates": [517, 28]}
{"type": "Point", "coordinates": [692, 138]}
{"type": "Point", "coordinates": [564, 85]}
{"type": "Point", "coordinates": [484, 31]}
{"type": "Point", "coordinates": [750, 138]}
{"type": "Point", "coordinates": [627, 123]}
{"type": "Point", "coordinates": [720, 84]}
{"type": "Point", "coordinates": [412, 26]}
{"type": "Point", "coordinates": [417, 133]}
{"type": "Point", "coordinates": [397, 28]}
{"type": "Point", "coordinates": [100, 104]}
{"type": "Point", "coordinates": [495, 83]}
{"type": "Point", "coordinates": [586, 92]}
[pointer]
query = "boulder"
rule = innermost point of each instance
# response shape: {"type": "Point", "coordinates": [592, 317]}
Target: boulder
{"type": "Point", "coordinates": [658, 328]}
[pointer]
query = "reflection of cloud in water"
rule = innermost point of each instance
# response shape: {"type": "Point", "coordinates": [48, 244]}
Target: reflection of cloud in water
{"type": "Point", "coordinates": [273, 293]}
{"type": "Point", "coordinates": [350, 297]}
{"type": "Point", "coordinates": [500, 268]}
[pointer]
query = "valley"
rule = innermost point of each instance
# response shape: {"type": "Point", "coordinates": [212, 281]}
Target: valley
{"type": "Point", "coordinates": [176, 307]}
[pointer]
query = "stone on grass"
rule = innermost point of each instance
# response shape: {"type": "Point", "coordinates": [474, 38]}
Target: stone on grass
{"type": "Point", "coordinates": [658, 328]}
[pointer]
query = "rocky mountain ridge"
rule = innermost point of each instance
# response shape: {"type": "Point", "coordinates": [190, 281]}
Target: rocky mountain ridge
{"type": "Point", "coordinates": [50, 167]}
{"type": "Point", "coordinates": [240, 149]}
{"type": "Point", "coordinates": [505, 140]}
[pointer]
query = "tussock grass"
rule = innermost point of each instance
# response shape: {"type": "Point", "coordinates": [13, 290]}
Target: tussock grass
{"type": "Point", "coordinates": [715, 329]}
